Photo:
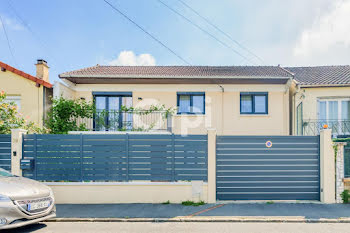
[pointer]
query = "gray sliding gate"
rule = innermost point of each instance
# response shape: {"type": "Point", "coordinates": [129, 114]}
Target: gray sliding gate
{"type": "Point", "coordinates": [268, 168]}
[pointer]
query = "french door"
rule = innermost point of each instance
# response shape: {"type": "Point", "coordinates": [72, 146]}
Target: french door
{"type": "Point", "coordinates": [109, 115]}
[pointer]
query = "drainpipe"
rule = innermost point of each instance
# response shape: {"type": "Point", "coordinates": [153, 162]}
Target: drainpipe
{"type": "Point", "coordinates": [294, 107]}
{"type": "Point", "coordinates": [222, 108]}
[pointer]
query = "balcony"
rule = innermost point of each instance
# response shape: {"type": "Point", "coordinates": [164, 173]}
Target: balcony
{"type": "Point", "coordinates": [340, 128]}
{"type": "Point", "coordinates": [144, 120]}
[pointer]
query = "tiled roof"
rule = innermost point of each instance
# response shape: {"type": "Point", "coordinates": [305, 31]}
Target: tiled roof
{"type": "Point", "coordinates": [177, 71]}
{"type": "Point", "coordinates": [25, 75]}
{"type": "Point", "coordinates": [321, 75]}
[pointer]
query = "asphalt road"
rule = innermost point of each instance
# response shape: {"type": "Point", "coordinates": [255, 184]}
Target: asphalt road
{"type": "Point", "coordinates": [109, 227]}
{"type": "Point", "coordinates": [306, 210]}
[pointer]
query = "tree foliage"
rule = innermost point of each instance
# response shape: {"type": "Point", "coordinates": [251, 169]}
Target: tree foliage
{"type": "Point", "coordinates": [10, 118]}
{"type": "Point", "coordinates": [64, 114]}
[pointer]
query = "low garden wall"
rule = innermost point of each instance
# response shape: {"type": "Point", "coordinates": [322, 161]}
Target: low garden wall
{"type": "Point", "coordinates": [129, 192]}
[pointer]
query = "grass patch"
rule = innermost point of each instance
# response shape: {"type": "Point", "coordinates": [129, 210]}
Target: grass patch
{"type": "Point", "coordinates": [270, 202]}
{"type": "Point", "coordinates": [192, 203]}
{"type": "Point", "coordinates": [166, 203]}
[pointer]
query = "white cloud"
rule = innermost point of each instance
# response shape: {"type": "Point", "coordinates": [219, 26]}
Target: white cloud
{"type": "Point", "coordinates": [329, 32]}
{"type": "Point", "coordinates": [11, 24]}
{"type": "Point", "coordinates": [128, 58]}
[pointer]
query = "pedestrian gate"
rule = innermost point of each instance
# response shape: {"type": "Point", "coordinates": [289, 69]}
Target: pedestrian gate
{"type": "Point", "coordinates": [268, 168]}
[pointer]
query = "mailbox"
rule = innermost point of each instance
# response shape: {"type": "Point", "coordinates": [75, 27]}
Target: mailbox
{"type": "Point", "coordinates": [27, 164]}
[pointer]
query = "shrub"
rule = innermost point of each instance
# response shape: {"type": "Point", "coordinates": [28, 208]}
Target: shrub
{"type": "Point", "coordinates": [345, 195]}
{"type": "Point", "coordinates": [10, 118]}
{"type": "Point", "coordinates": [64, 113]}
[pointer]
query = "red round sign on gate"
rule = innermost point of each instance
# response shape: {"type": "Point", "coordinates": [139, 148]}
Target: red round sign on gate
{"type": "Point", "coordinates": [268, 144]}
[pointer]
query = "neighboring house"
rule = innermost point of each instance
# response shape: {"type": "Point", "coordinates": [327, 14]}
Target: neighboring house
{"type": "Point", "coordinates": [322, 98]}
{"type": "Point", "coordinates": [31, 94]}
{"type": "Point", "coordinates": [235, 100]}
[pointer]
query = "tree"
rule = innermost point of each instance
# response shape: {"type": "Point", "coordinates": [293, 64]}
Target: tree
{"type": "Point", "coordinates": [64, 114]}
{"type": "Point", "coordinates": [10, 118]}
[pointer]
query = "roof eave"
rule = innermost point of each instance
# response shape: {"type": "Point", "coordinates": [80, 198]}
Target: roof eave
{"type": "Point", "coordinates": [323, 85]}
{"type": "Point", "coordinates": [170, 76]}
{"type": "Point", "coordinates": [178, 80]}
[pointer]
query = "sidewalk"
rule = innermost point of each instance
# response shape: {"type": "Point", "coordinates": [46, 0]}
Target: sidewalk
{"type": "Point", "coordinates": [251, 212]}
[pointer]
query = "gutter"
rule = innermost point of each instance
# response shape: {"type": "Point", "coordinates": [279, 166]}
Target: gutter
{"type": "Point", "coordinates": [131, 76]}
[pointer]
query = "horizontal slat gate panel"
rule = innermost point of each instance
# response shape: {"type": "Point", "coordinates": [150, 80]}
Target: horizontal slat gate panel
{"type": "Point", "coordinates": [104, 157]}
{"type": "Point", "coordinates": [191, 157]}
{"type": "Point", "coordinates": [257, 139]}
{"type": "Point", "coordinates": [125, 157]}
{"type": "Point", "coordinates": [248, 170]}
{"type": "Point", "coordinates": [5, 151]}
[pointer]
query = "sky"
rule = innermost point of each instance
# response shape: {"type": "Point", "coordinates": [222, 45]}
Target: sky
{"type": "Point", "coordinates": [76, 34]}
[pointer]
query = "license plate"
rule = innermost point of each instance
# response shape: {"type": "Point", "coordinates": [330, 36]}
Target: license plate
{"type": "Point", "coordinates": [38, 205]}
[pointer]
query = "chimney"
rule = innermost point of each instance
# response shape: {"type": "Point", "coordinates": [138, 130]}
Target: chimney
{"type": "Point", "coordinates": [42, 70]}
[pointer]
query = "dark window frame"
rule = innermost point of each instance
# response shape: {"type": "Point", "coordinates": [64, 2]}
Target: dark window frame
{"type": "Point", "coordinates": [253, 94]}
{"type": "Point", "coordinates": [107, 95]}
{"type": "Point", "coordinates": [191, 94]}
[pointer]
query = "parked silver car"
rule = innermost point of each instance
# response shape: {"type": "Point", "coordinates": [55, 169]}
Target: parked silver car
{"type": "Point", "coordinates": [23, 201]}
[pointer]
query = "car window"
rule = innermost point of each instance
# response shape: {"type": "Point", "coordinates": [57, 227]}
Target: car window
{"type": "Point", "coordinates": [4, 173]}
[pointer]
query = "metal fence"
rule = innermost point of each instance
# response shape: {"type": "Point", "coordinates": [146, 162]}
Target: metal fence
{"type": "Point", "coordinates": [339, 127]}
{"type": "Point", "coordinates": [5, 151]}
{"type": "Point", "coordinates": [121, 157]}
{"type": "Point", "coordinates": [128, 121]}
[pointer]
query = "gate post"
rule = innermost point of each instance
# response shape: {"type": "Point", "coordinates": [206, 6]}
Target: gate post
{"type": "Point", "coordinates": [211, 165]}
{"type": "Point", "coordinates": [327, 167]}
{"type": "Point", "coordinates": [339, 170]}
{"type": "Point", "coordinates": [16, 150]}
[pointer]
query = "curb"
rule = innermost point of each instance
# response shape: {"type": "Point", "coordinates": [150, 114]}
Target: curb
{"type": "Point", "coordinates": [208, 219]}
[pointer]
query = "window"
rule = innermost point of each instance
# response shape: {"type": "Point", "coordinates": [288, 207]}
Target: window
{"type": "Point", "coordinates": [254, 103]}
{"type": "Point", "coordinates": [335, 113]}
{"type": "Point", "coordinates": [108, 115]}
{"type": "Point", "coordinates": [14, 99]}
{"type": "Point", "coordinates": [191, 103]}
{"type": "Point", "coordinates": [334, 109]}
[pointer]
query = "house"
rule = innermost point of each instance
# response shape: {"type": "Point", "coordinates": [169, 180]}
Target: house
{"type": "Point", "coordinates": [321, 98]}
{"type": "Point", "coordinates": [235, 100]}
{"type": "Point", "coordinates": [31, 94]}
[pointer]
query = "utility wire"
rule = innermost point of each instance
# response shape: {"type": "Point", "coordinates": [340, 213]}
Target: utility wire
{"type": "Point", "coordinates": [205, 31]}
{"type": "Point", "coordinates": [8, 41]}
{"type": "Point", "coordinates": [26, 25]}
{"type": "Point", "coordinates": [145, 31]}
{"type": "Point", "coordinates": [220, 30]}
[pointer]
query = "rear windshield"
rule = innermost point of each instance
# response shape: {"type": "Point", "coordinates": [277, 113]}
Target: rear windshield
{"type": "Point", "coordinates": [4, 173]}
